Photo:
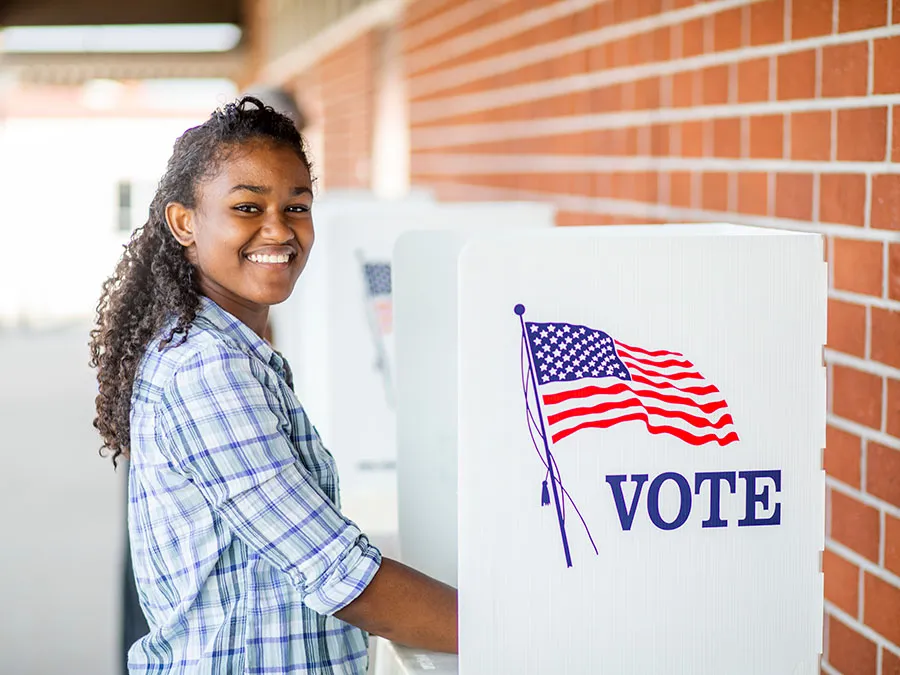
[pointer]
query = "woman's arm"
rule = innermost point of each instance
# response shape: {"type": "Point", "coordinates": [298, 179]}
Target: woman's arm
{"type": "Point", "coordinates": [406, 607]}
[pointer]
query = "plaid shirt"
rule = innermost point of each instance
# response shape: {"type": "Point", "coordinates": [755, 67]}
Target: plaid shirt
{"type": "Point", "coordinates": [241, 554]}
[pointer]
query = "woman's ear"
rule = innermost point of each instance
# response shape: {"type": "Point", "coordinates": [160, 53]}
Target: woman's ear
{"type": "Point", "coordinates": [179, 218]}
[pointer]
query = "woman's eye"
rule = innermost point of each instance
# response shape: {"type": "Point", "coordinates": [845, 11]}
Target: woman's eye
{"type": "Point", "coordinates": [247, 208]}
{"type": "Point", "coordinates": [298, 208]}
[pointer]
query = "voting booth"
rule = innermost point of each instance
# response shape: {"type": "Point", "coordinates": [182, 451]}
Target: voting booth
{"type": "Point", "coordinates": [337, 331]}
{"type": "Point", "coordinates": [610, 440]}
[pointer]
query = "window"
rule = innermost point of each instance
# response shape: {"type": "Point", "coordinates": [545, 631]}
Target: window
{"type": "Point", "coordinates": [123, 218]}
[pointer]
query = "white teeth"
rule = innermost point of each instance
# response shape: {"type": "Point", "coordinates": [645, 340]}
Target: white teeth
{"type": "Point", "coordinates": [269, 258]}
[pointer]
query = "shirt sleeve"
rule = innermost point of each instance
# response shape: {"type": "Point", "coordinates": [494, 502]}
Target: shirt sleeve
{"type": "Point", "coordinates": [227, 433]}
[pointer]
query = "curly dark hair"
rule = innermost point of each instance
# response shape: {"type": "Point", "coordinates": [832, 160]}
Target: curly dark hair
{"type": "Point", "coordinates": [153, 281]}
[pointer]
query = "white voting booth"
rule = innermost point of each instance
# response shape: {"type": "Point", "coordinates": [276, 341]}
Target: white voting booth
{"type": "Point", "coordinates": [610, 439]}
{"type": "Point", "coordinates": [336, 331]}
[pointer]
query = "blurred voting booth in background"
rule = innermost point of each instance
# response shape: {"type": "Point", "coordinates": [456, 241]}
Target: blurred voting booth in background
{"type": "Point", "coordinates": [610, 440]}
{"type": "Point", "coordinates": [337, 332]}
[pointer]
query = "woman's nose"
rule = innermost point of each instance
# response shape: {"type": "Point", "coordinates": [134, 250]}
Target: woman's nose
{"type": "Point", "coordinates": [276, 227]}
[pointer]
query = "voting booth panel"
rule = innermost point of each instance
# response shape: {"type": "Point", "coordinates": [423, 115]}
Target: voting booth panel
{"type": "Point", "coordinates": [640, 424]}
{"type": "Point", "coordinates": [425, 296]}
{"type": "Point", "coordinates": [337, 329]}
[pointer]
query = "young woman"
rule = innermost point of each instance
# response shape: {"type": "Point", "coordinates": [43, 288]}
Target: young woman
{"type": "Point", "coordinates": [243, 560]}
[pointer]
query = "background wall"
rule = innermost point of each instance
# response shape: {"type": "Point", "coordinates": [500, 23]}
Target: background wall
{"type": "Point", "coordinates": [62, 506]}
{"type": "Point", "coordinates": [338, 92]}
{"type": "Point", "coordinates": [778, 113]}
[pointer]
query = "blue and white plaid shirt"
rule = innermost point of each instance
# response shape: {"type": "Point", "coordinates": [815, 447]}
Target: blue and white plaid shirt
{"type": "Point", "coordinates": [241, 554]}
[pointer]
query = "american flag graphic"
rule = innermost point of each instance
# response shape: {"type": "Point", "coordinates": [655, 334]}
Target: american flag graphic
{"type": "Point", "coordinates": [378, 291]}
{"type": "Point", "coordinates": [587, 379]}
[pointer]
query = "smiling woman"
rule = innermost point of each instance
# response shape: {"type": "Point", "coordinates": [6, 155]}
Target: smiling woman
{"type": "Point", "coordinates": [253, 236]}
{"type": "Point", "coordinates": [242, 557]}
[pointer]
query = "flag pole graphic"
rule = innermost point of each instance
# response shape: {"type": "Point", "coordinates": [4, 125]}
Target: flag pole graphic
{"type": "Point", "coordinates": [381, 358]}
{"type": "Point", "coordinates": [520, 311]}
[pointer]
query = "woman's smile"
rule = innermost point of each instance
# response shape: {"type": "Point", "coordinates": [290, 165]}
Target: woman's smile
{"type": "Point", "coordinates": [274, 258]}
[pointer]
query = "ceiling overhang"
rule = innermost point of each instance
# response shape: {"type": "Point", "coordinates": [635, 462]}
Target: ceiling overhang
{"type": "Point", "coordinates": [76, 68]}
{"type": "Point", "coordinates": [117, 12]}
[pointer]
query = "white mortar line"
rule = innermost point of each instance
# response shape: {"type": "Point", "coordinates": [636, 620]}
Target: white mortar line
{"type": "Point", "coordinates": [863, 463]}
{"type": "Point", "coordinates": [868, 500]}
{"type": "Point", "coordinates": [816, 207]}
{"type": "Point", "coordinates": [862, 562]}
{"type": "Point", "coordinates": [870, 71]}
{"type": "Point", "coordinates": [456, 75]}
{"type": "Point", "coordinates": [871, 367]}
{"type": "Point", "coordinates": [857, 626]}
{"type": "Point", "coordinates": [886, 272]}
{"type": "Point", "coordinates": [524, 163]}
{"type": "Point", "coordinates": [524, 93]}
{"type": "Point", "coordinates": [864, 432]}
{"type": "Point", "coordinates": [829, 376]}
{"type": "Point", "coordinates": [634, 209]}
{"type": "Point", "coordinates": [466, 134]}
{"type": "Point", "coordinates": [861, 592]}
{"type": "Point", "coordinates": [788, 20]}
{"type": "Point", "coordinates": [865, 300]}
{"type": "Point", "coordinates": [867, 347]}
{"type": "Point", "coordinates": [448, 20]}
{"type": "Point", "coordinates": [482, 37]}
{"type": "Point", "coordinates": [833, 135]}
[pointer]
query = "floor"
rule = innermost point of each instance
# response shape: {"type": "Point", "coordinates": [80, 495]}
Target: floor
{"type": "Point", "coordinates": [60, 511]}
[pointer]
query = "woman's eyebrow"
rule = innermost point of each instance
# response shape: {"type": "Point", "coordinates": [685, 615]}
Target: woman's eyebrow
{"type": "Point", "coordinates": [262, 190]}
{"type": "Point", "coordinates": [258, 189]}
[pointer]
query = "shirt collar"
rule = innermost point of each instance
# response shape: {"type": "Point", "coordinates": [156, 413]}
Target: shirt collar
{"type": "Point", "coordinates": [238, 331]}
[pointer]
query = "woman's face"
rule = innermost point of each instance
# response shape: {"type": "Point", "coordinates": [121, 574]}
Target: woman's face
{"type": "Point", "coordinates": [251, 231]}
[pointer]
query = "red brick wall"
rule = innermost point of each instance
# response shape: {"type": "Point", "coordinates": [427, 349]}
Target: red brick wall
{"type": "Point", "coordinates": [337, 94]}
{"type": "Point", "coordinates": [780, 113]}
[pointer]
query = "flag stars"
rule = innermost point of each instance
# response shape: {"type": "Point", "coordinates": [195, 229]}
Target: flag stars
{"type": "Point", "coordinates": [565, 352]}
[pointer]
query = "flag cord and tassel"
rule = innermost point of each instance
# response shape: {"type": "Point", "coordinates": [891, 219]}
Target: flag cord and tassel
{"type": "Point", "coordinates": [520, 311]}
{"type": "Point", "coordinates": [545, 494]}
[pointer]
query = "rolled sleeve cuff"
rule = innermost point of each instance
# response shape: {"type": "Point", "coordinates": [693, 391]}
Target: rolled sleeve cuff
{"type": "Point", "coordinates": [344, 580]}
